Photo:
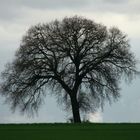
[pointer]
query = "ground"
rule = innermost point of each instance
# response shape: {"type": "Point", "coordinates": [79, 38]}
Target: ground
{"type": "Point", "coordinates": [70, 131]}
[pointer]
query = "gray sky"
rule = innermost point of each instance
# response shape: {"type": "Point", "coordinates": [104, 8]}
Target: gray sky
{"type": "Point", "coordinates": [16, 16]}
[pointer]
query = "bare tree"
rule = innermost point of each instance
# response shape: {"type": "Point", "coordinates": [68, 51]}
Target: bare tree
{"type": "Point", "coordinates": [80, 60]}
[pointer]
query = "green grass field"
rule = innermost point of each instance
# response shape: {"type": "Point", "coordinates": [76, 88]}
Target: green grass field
{"type": "Point", "coordinates": [70, 131]}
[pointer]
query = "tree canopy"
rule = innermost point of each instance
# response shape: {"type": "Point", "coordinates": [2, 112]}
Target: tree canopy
{"type": "Point", "coordinates": [79, 60]}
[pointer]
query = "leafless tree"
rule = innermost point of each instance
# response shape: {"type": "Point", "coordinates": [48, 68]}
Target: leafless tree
{"type": "Point", "coordinates": [80, 60]}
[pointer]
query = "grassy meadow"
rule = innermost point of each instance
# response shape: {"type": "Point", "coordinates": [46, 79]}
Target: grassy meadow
{"type": "Point", "coordinates": [70, 131]}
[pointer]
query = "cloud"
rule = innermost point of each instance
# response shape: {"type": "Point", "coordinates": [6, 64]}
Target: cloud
{"type": "Point", "coordinates": [53, 4]}
{"type": "Point", "coordinates": [17, 118]}
{"type": "Point", "coordinates": [95, 117]}
{"type": "Point", "coordinates": [125, 7]}
{"type": "Point", "coordinates": [11, 10]}
{"type": "Point", "coordinates": [115, 1]}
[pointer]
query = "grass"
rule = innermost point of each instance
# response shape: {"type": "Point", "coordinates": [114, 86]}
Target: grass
{"type": "Point", "coordinates": [69, 131]}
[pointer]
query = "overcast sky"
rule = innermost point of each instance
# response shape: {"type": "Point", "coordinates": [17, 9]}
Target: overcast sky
{"type": "Point", "coordinates": [16, 16]}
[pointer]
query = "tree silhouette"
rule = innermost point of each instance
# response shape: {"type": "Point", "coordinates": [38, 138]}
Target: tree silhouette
{"type": "Point", "coordinates": [81, 61]}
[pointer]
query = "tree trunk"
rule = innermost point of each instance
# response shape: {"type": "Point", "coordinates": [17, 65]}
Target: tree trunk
{"type": "Point", "coordinates": [75, 110]}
